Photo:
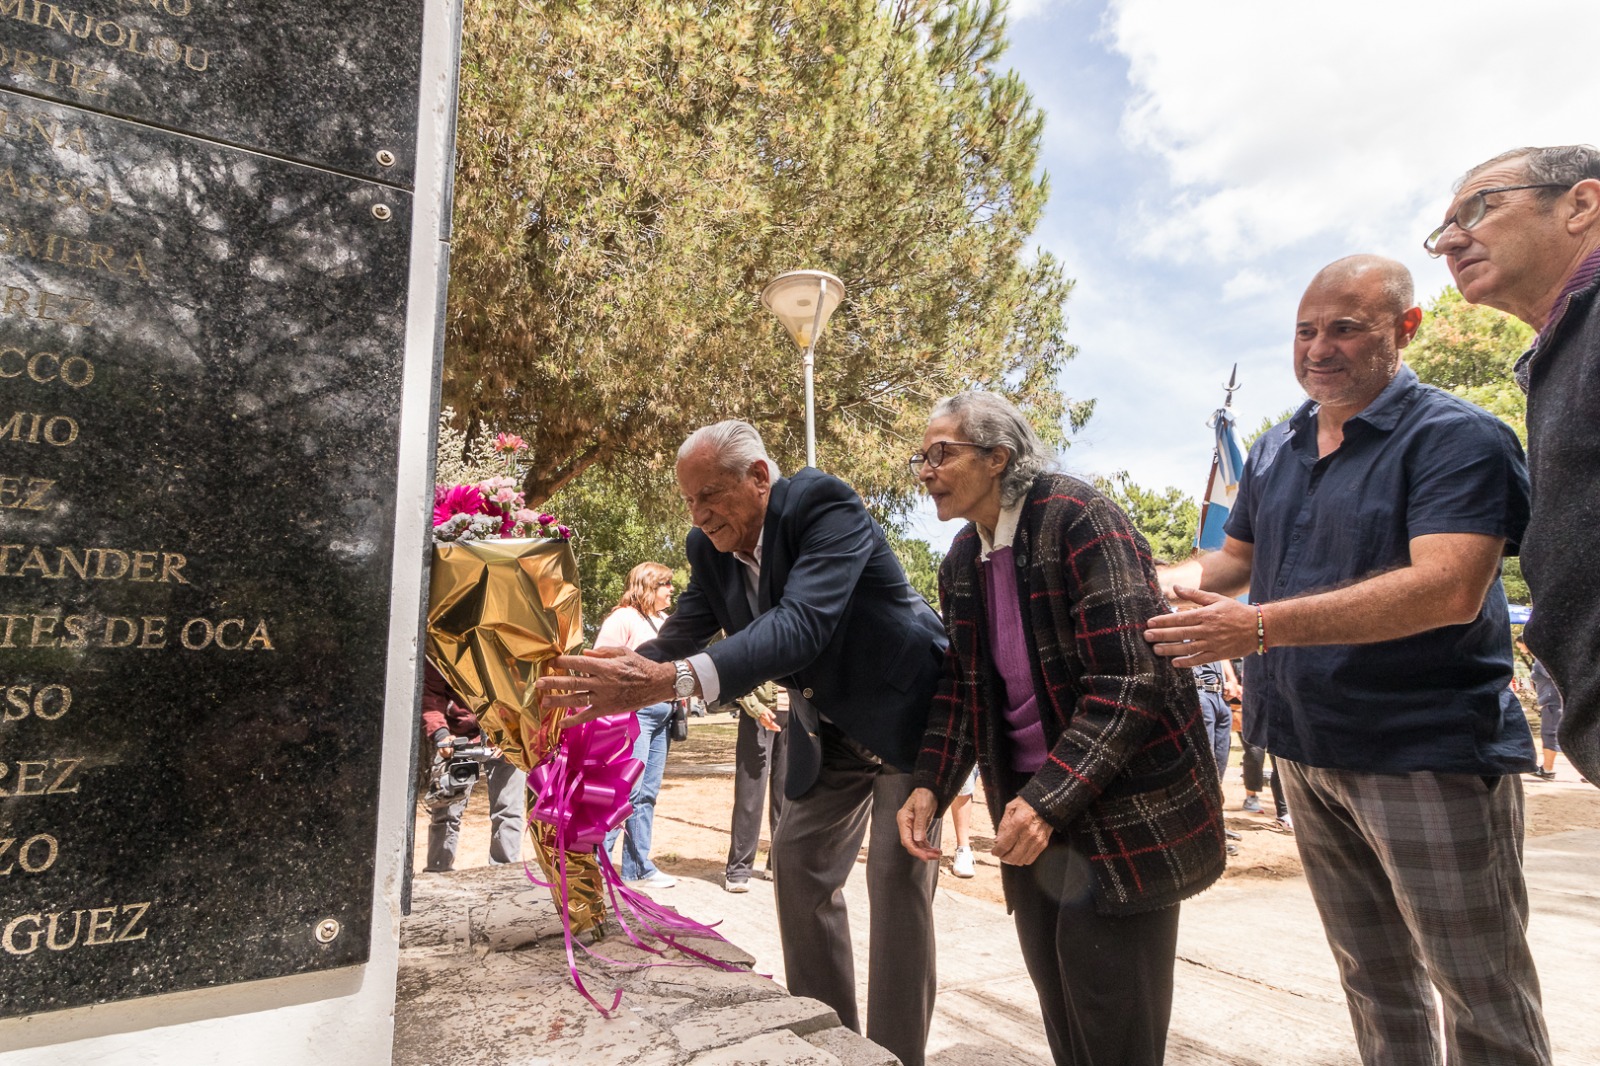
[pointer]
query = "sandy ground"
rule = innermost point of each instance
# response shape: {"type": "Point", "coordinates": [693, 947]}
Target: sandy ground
{"type": "Point", "coordinates": [691, 829]}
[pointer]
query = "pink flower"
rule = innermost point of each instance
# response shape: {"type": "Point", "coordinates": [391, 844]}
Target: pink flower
{"type": "Point", "coordinates": [509, 442]}
{"type": "Point", "coordinates": [449, 500]}
{"type": "Point", "coordinates": [564, 533]}
{"type": "Point", "coordinates": [505, 496]}
{"type": "Point", "coordinates": [526, 517]}
{"type": "Point", "coordinates": [547, 519]}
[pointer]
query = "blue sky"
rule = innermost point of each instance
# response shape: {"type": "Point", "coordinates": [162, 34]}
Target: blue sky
{"type": "Point", "coordinates": [1207, 157]}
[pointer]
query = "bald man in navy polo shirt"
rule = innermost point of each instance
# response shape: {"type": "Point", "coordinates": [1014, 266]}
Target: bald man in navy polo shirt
{"type": "Point", "coordinates": [1369, 530]}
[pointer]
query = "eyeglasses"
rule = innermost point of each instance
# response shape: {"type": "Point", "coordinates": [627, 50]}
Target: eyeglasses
{"type": "Point", "coordinates": [667, 584]}
{"type": "Point", "coordinates": [935, 455]}
{"type": "Point", "coordinates": [1472, 210]}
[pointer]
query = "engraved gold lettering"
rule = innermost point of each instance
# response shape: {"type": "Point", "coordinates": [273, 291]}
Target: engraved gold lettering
{"type": "Point", "coordinates": [29, 427]}
{"type": "Point", "coordinates": [26, 64]}
{"type": "Point", "coordinates": [92, 564]}
{"type": "Point", "coordinates": [106, 32]}
{"type": "Point", "coordinates": [72, 252]}
{"type": "Point", "coordinates": [23, 934]}
{"type": "Point", "coordinates": [29, 129]}
{"type": "Point", "coordinates": [9, 938]}
{"type": "Point", "coordinates": [135, 913]}
{"type": "Point", "coordinates": [64, 769]}
{"type": "Point", "coordinates": [100, 919]}
{"type": "Point", "coordinates": [43, 368]}
{"type": "Point", "coordinates": [32, 774]}
{"type": "Point", "coordinates": [47, 306]}
{"type": "Point", "coordinates": [24, 494]}
{"type": "Point", "coordinates": [49, 703]}
{"type": "Point", "coordinates": [50, 933]}
{"type": "Point", "coordinates": [27, 857]}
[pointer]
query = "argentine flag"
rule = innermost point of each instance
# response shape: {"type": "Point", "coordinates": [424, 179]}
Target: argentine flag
{"type": "Point", "coordinates": [1227, 462]}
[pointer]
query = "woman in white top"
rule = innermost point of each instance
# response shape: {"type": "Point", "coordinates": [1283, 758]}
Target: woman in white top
{"type": "Point", "coordinates": [637, 617]}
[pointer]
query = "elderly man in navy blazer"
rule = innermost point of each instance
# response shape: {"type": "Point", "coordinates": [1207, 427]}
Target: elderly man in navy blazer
{"type": "Point", "coordinates": [801, 579]}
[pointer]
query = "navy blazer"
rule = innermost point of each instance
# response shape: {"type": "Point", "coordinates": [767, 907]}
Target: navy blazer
{"type": "Point", "coordinates": [839, 625]}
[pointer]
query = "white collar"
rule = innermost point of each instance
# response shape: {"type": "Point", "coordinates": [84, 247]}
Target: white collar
{"type": "Point", "coordinates": [752, 559]}
{"type": "Point", "coordinates": [1005, 530]}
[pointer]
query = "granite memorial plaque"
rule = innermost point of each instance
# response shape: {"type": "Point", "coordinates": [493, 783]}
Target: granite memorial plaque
{"type": "Point", "coordinates": [200, 367]}
{"type": "Point", "coordinates": [323, 82]}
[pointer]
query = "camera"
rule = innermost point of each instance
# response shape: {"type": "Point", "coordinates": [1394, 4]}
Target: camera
{"type": "Point", "coordinates": [453, 777]}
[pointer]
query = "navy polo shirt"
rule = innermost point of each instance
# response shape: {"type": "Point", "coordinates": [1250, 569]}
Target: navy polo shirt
{"type": "Point", "coordinates": [1417, 461]}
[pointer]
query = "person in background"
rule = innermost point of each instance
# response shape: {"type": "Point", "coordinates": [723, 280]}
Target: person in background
{"type": "Point", "coordinates": [1549, 698]}
{"type": "Point", "coordinates": [1096, 761]}
{"type": "Point", "coordinates": [446, 722]}
{"type": "Point", "coordinates": [962, 863]}
{"type": "Point", "coordinates": [1522, 234]}
{"type": "Point", "coordinates": [759, 772]}
{"type": "Point", "coordinates": [637, 618]}
{"type": "Point", "coordinates": [1369, 530]}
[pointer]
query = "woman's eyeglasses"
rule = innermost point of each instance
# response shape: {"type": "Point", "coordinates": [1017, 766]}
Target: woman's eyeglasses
{"type": "Point", "coordinates": [936, 454]}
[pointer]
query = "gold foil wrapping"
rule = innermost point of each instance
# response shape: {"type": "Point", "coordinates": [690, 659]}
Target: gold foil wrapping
{"type": "Point", "coordinates": [498, 612]}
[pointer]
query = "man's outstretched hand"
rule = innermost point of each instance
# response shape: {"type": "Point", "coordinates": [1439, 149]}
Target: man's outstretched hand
{"type": "Point", "coordinates": [1219, 628]}
{"type": "Point", "coordinates": [604, 681]}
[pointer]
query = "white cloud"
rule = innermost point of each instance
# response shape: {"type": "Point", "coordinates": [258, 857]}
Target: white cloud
{"type": "Point", "coordinates": [1248, 284]}
{"type": "Point", "coordinates": [1281, 122]}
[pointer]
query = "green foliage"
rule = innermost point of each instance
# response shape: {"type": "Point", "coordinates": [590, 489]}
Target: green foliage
{"type": "Point", "coordinates": [619, 523]}
{"type": "Point", "coordinates": [1266, 423]}
{"type": "Point", "coordinates": [630, 173]}
{"type": "Point", "coordinates": [1471, 350]}
{"type": "Point", "coordinates": [920, 561]}
{"type": "Point", "coordinates": [1167, 519]}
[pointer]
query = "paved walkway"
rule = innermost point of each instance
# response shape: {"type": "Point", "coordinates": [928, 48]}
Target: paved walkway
{"type": "Point", "coordinates": [1256, 983]}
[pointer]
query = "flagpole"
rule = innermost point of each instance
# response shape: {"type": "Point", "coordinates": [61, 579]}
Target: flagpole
{"type": "Point", "coordinates": [1216, 459]}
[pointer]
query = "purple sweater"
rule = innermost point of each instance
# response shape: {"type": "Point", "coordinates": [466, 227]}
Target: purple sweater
{"type": "Point", "coordinates": [1009, 646]}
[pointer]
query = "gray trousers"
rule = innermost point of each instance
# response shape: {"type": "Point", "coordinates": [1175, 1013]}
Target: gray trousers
{"type": "Point", "coordinates": [758, 777]}
{"type": "Point", "coordinates": [1418, 879]}
{"type": "Point", "coordinates": [814, 851]}
{"type": "Point", "coordinates": [506, 814]}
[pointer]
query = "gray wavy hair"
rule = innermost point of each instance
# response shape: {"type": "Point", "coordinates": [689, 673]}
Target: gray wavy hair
{"type": "Point", "coordinates": [734, 444]}
{"type": "Point", "coordinates": [994, 421]}
{"type": "Point", "coordinates": [1565, 164]}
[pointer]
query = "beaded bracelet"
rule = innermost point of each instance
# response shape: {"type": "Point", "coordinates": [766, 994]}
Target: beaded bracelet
{"type": "Point", "coordinates": [1261, 631]}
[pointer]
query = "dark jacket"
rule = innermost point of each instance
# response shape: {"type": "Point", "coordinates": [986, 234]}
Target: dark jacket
{"type": "Point", "coordinates": [1562, 376]}
{"type": "Point", "coordinates": [838, 624]}
{"type": "Point", "coordinates": [1130, 769]}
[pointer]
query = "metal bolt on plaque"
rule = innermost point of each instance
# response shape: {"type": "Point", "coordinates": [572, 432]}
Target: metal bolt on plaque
{"type": "Point", "coordinates": [327, 931]}
{"type": "Point", "coordinates": [381, 212]}
{"type": "Point", "coordinates": [385, 158]}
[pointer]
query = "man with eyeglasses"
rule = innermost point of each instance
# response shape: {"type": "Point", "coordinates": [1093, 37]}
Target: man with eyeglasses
{"type": "Point", "coordinates": [1369, 530]}
{"type": "Point", "coordinates": [803, 582]}
{"type": "Point", "coordinates": [1523, 235]}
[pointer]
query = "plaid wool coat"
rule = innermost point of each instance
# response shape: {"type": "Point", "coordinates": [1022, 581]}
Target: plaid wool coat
{"type": "Point", "coordinates": [1130, 771]}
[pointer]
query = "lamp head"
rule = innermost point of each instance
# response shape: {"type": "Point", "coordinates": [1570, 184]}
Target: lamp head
{"type": "Point", "coordinates": [794, 298]}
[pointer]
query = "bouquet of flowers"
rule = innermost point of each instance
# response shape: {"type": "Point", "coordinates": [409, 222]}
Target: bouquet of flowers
{"type": "Point", "coordinates": [492, 508]}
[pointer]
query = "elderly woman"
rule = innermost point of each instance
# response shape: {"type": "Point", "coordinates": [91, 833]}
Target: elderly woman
{"type": "Point", "coordinates": [1093, 751]}
{"type": "Point", "coordinates": [636, 619]}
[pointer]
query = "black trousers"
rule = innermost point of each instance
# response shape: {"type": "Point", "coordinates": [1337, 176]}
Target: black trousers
{"type": "Point", "coordinates": [1255, 760]}
{"type": "Point", "coordinates": [1104, 983]}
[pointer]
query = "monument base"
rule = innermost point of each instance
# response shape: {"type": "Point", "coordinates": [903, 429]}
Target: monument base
{"type": "Point", "coordinates": [484, 978]}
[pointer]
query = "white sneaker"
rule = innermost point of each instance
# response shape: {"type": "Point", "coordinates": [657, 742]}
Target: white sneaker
{"type": "Point", "coordinates": [962, 865]}
{"type": "Point", "coordinates": [656, 880]}
{"type": "Point", "coordinates": [729, 885]}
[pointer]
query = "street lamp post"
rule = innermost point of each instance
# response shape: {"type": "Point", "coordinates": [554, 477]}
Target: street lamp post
{"type": "Point", "coordinates": [804, 300]}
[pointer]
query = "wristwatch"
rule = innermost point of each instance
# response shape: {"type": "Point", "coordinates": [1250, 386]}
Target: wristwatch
{"type": "Point", "coordinates": [683, 684]}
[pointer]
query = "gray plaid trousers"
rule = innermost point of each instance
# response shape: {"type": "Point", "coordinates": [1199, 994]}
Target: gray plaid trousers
{"type": "Point", "coordinates": [1418, 878]}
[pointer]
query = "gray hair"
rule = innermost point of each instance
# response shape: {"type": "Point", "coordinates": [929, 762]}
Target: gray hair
{"type": "Point", "coordinates": [735, 445]}
{"type": "Point", "coordinates": [1564, 165]}
{"type": "Point", "coordinates": [994, 422]}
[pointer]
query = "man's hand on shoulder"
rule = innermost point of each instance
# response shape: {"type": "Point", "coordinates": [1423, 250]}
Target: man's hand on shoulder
{"type": "Point", "coordinates": [604, 681]}
{"type": "Point", "coordinates": [1219, 628]}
